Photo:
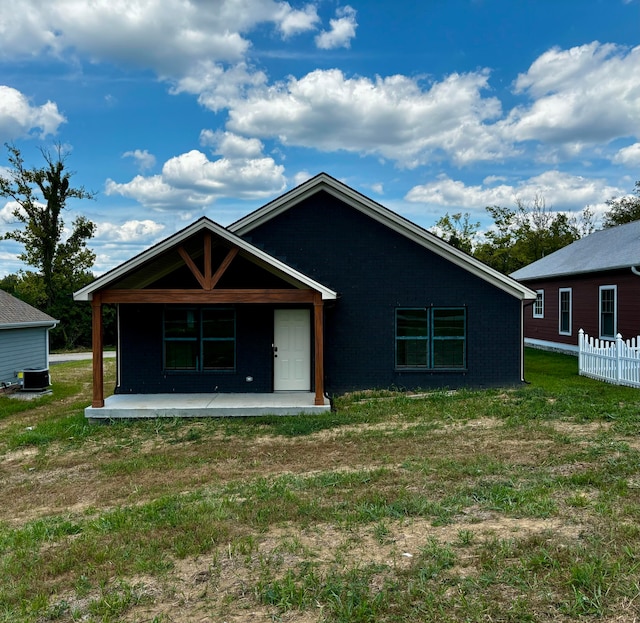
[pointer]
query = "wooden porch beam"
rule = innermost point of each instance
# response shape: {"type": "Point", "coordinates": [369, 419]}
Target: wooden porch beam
{"type": "Point", "coordinates": [210, 296]}
{"type": "Point", "coordinates": [222, 268]}
{"type": "Point", "coordinates": [207, 261]}
{"type": "Point", "coordinates": [193, 268]}
{"type": "Point", "coordinates": [97, 347]}
{"type": "Point", "coordinates": [209, 280]}
{"type": "Point", "coordinates": [318, 330]}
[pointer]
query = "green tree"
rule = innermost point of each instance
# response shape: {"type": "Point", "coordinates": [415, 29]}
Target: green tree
{"type": "Point", "coordinates": [62, 262]}
{"type": "Point", "coordinates": [623, 209]}
{"type": "Point", "coordinates": [458, 230]}
{"type": "Point", "coordinates": [528, 232]}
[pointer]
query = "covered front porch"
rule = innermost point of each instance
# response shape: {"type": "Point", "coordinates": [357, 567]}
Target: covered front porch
{"type": "Point", "coordinates": [189, 323]}
{"type": "Point", "coordinates": [124, 406]}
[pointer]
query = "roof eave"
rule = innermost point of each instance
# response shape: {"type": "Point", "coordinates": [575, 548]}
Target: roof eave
{"type": "Point", "coordinates": [49, 324]}
{"type": "Point", "coordinates": [384, 215]}
{"type": "Point", "coordinates": [575, 272]}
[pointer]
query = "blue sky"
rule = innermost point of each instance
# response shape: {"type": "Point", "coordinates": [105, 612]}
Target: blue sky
{"type": "Point", "coordinates": [173, 109]}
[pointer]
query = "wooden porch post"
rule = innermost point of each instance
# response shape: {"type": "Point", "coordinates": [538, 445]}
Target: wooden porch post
{"type": "Point", "coordinates": [318, 326]}
{"type": "Point", "coordinates": [96, 341]}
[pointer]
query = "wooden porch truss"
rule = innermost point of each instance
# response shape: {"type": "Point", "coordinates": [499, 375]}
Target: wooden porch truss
{"type": "Point", "coordinates": [207, 294]}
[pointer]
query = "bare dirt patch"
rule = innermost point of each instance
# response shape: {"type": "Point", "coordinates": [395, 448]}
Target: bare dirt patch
{"type": "Point", "coordinates": [220, 585]}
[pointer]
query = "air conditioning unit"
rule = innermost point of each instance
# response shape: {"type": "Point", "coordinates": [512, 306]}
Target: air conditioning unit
{"type": "Point", "coordinates": [35, 379]}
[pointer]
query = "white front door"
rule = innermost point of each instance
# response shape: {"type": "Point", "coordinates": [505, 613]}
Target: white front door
{"type": "Point", "coordinates": [292, 350]}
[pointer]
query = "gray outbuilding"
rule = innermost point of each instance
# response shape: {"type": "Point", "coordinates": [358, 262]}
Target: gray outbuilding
{"type": "Point", "coordinates": [24, 338]}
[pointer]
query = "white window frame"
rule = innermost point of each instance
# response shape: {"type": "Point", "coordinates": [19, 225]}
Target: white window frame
{"type": "Point", "coordinates": [602, 289]}
{"type": "Point", "coordinates": [562, 291]}
{"type": "Point", "coordinates": [538, 304]}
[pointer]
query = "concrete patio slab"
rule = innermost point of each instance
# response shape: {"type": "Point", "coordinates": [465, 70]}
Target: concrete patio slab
{"type": "Point", "coordinates": [127, 406]}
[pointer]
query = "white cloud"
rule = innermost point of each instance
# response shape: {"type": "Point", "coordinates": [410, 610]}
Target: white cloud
{"type": "Point", "coordinates": [629, 156]}
{"type": "Point", "coordinates": [19, 118]}
{"type": "Point", "coordinates": [152, 192]}
{"type": "Point", "coordinates": [143, 158]}
{"type": "Point", "coordinates": [8, 222]}
{"type": "Point", "coordinates": [343, 29]}
{"type": "Point", "coordinates": [187, 42]}
{"type": "Point", "coordinates": [169, 36]}
{"type": "Point", "coordinates": [583, 96]}
{"type": "Point", "coordinates": [559, 190]}
{"type": "Point", "coordinates": [573, 99]}
{"type": "Point", "coordinates": [577, 99]}
{"type": "Point", "coordinates": [231, 145]}
{"type": "Point", "coordinates": [492, 179]}
{"type": "Point", "coordinates": [191, 180]}
{"type": "Point", "coordinates": [138, 231]}
{"type": "Point", "coordinates": [156, 33]}
{"type": "Point", "coordinates": [301, 177]}
{"type": "Point", "coordinates": [216, 86]}
{"type": "Point", "coordinates": [391, 117]}
{"type": "Point", "coordinates": [292, 22]}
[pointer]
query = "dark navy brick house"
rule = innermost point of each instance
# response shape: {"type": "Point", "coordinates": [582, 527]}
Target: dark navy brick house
{"type": "Point", "coordinates": [322, 290]}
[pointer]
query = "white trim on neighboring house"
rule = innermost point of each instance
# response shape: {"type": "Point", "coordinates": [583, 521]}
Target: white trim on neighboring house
{"type": "Point", "coordinates": [570, 349]}
{"type": "Point", "coordinates": [602, 289]}
{"type": "Point", "coordinates": [29, 325]}
{"type": "Point", "coordinates": [385, 216]}
{"type": "Point", "coordinates": [288, 273]}
{"type": "Point", "coordinates": [562, 291]}
{"type": "Point", "coordinates": [539, 299]}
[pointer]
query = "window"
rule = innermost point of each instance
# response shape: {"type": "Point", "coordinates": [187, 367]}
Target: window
{"type": "Point", "coordinates": [412, 338]}
{"type": "Point", "coordinates": [199, 339]}
{"type": "Point", "coordinates": [564, 311]}
{"type": "Point", "coordinates": [431, 338]}
{"type": "Point", "coordinates": [608, 311]}
{"type": "Point", "coordinates": [538, 306]}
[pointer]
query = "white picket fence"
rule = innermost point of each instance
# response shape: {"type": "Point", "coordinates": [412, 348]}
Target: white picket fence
{"type": "Point", "coordinates": [616, 361]}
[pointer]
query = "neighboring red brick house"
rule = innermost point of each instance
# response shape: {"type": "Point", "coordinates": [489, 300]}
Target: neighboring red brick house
{"type": "Point", "coordinates": [592, 284]}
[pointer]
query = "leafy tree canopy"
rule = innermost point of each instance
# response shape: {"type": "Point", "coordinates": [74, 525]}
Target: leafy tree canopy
{"type": "Point", "coordinates": [62, 262]}
{"type": "Point", "coordinates": [518, 236]}
{"type": "Point", "coordinates": [623, 209]}
{"type": "Point", "coordinates": [458, 230]}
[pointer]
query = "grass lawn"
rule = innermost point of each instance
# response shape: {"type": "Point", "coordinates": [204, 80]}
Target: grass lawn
{"type": "Point", "coordinates": [497, 505]}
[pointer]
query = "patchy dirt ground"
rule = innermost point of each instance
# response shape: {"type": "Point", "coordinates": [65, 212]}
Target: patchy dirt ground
{"type": "Point", "coordinates": [76, 478]}
{"type": "Point", "coordinates": [201, 586]}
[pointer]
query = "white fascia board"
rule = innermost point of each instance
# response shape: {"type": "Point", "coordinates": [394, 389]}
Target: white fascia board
{"type": "Point", "coordinates": [86, 293]}
{"type": "Point", "coordinates": [50, 324]}
{"type": "Point", "coordinates": [388, 218]}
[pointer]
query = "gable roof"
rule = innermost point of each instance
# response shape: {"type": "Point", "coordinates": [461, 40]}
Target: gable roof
{"type": "Point", "coordinates": [608, 249]}
{"type": "Point", "coordinates": [257, 256]}
{"type": "Point", "coordinates": [326, 183]}
{"type": "Point", "coordinates": [16, 314]}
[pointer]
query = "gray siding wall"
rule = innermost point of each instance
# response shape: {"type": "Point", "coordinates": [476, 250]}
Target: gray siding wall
{"type": "Point", "coordinates": [20, 349]}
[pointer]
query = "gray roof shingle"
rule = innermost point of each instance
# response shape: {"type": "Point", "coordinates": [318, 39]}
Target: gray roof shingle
{"type": "Point", "coordinates": [607, 249]}
{"type": "Point", "coordinates": [15, 312]}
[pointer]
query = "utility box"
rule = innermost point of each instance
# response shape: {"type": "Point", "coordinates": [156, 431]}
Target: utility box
{"type": "Point", "coordinates": [35, 379]}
